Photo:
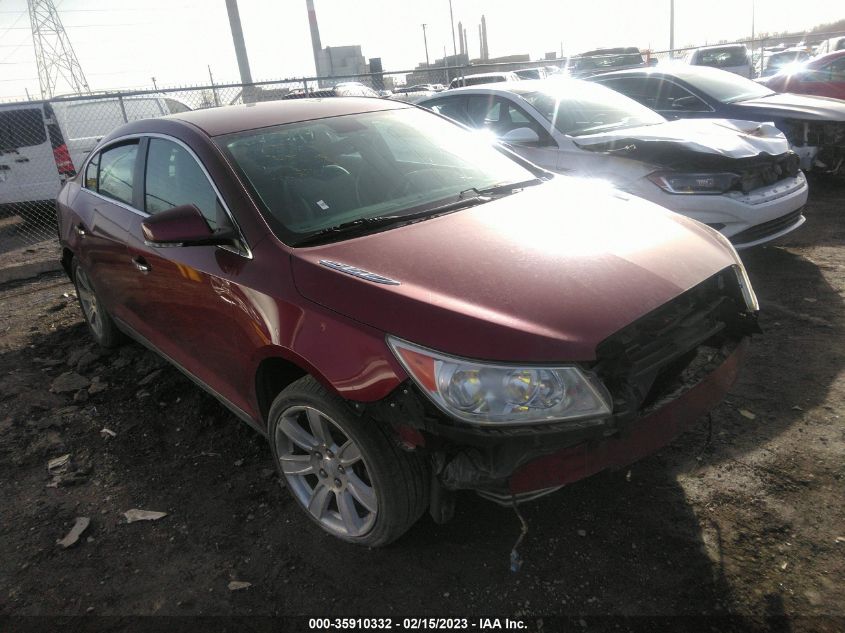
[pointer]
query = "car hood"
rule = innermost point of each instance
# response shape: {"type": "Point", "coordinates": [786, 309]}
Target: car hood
{"type": "Point", "coordinates": [664, 142]}
{"type": "Point", "coordinates": [541, 275]}
{"type": "Point", "coordinates": [795, 106]}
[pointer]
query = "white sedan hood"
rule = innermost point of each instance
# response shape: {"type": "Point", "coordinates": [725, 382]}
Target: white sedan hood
{"type": "Point", "coordinates": [721, 137]}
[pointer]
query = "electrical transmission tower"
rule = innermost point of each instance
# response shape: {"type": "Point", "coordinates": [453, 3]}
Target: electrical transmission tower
{"type": "Point", "coordinates": [53, 52]}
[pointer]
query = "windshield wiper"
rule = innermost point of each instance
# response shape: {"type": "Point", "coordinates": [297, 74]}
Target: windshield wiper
{"type": "Point", "coordinates": [507, 188]}
{"type": "Point", "coordinates": [467, 198]}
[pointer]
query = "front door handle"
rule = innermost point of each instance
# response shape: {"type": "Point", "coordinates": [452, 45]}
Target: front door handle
{"type": "Point", "coordinates": [23, 159]}
{"type": "Point", "coordinates": [141, 264]}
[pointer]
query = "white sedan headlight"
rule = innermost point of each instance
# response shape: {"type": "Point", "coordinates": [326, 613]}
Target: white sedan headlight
{"type": "Point", "coordinates": [489, 394]}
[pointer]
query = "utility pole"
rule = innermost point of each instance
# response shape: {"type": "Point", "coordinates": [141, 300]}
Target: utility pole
{"type": "Point", "coordinates": [425, 41]}
{"type": "Point", "coordinates": [54, 55]}
{"type": "Point", "coordinates": [155, 87]}
{"type": "Point", "coordinates": [240, 48]}
{"type": "Point", "coordinates": [671, 29]}
{"type": "Point", "coordinates": [213, 87]}
{"type": "Point", "coordinates": [452, 24]}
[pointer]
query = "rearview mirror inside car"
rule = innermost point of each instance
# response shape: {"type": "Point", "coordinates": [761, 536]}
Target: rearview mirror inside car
{"type": "Point", "coordinates": [183, 226]}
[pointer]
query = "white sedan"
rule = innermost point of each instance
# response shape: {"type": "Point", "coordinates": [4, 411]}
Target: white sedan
{"type": "Point", "coordinates": [737, 177]}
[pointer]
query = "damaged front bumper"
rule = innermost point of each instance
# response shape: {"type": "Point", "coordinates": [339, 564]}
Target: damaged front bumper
{"type": "Point", "coordinates": [819, 144]}
{"type": "Point", "coordinates": [522, 464]}
{"type": "Point", "coordinates": [654, 431]}
{"type": "Point", "coordinates": [664, 371]}
{"type": "Point", "coordinates": [547, 459]}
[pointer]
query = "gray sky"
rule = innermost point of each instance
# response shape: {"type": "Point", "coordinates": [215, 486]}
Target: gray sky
{"type": "Point", "coordinates": [122, 43]}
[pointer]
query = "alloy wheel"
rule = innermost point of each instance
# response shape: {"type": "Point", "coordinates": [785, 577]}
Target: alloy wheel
{"type": "Point", "coordinates": [88, 300]}
{"type": "Point", "coordinates": [325, 471]}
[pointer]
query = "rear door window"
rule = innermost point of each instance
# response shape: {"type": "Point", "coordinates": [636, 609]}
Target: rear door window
{"type": "Point", "coordinates": [452, 107]}
{"type": "Point", "coordinates": [117, 172]}
{"type": "Point", "coordinates": [641, 89]}
{"type": "Point", "coordinates": [21, 128]}
{"type": "Point", "coordinates": [482, 110]}
{"type": "Point", "coordinates": [671, 96]}
{"type": "Point", "coordinates": [834, 71]}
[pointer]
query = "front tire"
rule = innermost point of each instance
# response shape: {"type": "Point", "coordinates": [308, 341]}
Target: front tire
{"type": "Point", "coordinates": [346, 472]}
{"type": "Point", "coordinates": [100, 324]}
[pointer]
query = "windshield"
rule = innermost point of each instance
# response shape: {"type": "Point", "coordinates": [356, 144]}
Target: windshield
{"type": "Point", "coordinates": [319, 174]}
{"type": "Point", "coordinates": [723, 86]}
{"type": "Point", "coordinates": [584, 108]}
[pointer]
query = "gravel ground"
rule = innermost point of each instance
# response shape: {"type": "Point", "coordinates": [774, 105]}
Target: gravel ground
{"type": "Point", "coordinates": [750, 523]}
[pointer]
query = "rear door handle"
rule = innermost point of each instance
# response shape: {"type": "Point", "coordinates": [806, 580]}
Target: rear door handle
{"type": "Point", "coordinates": [23, 159]}
{"type": "Point", "coordinates": [141, 264]}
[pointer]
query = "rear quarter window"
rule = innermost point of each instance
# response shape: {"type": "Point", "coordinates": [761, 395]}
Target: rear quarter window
{"type": "Point", "coordinates": [91, 173]}
{"type": "Point", "coordinates": [21, 128]}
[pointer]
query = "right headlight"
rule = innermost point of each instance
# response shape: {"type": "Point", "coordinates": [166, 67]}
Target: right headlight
{"type": "Point", "coordinates": [712, 184]}
{"type": "Point", "coordinates": [489, 393]}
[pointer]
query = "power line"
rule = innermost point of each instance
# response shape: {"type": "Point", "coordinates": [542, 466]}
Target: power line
{"type": "Point", "coordinates": [22, 13]}
{"type": "Point", "coordinates": [88, 26]}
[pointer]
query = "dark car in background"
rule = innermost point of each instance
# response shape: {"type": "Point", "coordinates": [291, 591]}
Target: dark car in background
{"type": "Point", "coordinates": [814, 126]}
{"type": "Point", "coordinates": [401, 307]}
{"type": "Point", "coordinates": [603, 60]}
{"type": "Point", "coordinates": [343, 89]}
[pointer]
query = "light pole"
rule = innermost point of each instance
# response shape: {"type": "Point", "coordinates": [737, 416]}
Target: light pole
{"type": "Point", "coordinates": [671, 29]}
{"type": "Point", "coordinates": [425, 41]}
{"type": "Point", "coordinates": [753, 16]}
{"type": "Point", "coordinates": [452, 24]}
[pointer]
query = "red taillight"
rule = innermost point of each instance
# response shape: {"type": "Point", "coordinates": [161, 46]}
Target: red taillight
{"type": "Point", "coordinates": [63, 161]}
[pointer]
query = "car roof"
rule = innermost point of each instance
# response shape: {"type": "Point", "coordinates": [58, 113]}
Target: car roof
{"type": "Point", "coordinates": [502, 73]}
{"type": "Point", "coordinates": [619, 50]}
{"type": "Point", "coordinates": [823, 59]}
{"type": "Point", "coordinates": [250, 116]}
{"type": "Point", "coordinates": [499, 86]}
{"type": "Point", "coordinates": [515, 87]}
{"type": "Point", "coordinates": [676, 70]}
{"type": "Point", "coordinates": [721, 46]}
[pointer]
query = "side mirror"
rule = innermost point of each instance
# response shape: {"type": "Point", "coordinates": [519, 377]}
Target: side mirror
{"type": "Point", "coordinates": [183, 226]}
{"type": "Point", "coordinates": [521, 136]}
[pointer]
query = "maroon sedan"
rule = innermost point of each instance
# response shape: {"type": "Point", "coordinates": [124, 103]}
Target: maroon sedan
{"type": "Point", "coordinates": [402, 308]}
{"type": "Point", "coordinates": [823, 76]}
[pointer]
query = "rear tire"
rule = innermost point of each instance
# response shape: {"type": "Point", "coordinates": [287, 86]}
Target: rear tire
{"type": "Point", "coordinates": [100, 324]}
{"type": "Point", "coordinates": [345, 471]}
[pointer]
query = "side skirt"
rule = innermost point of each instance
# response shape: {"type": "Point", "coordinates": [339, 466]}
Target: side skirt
{"type": "Point", "coordinates": [240, 413]}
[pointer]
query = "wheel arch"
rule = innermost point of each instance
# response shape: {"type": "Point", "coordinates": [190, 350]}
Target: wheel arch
{"type": "Point", "coordinates": [272, 375]}
{"type": "Point", "coordinates": [67, 261]}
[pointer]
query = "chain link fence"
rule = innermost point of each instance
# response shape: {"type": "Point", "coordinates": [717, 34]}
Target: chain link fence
{"type": "Point", "coordinates": [43, 143]}
{"type": "Point", "coordinates": [769, 53]}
